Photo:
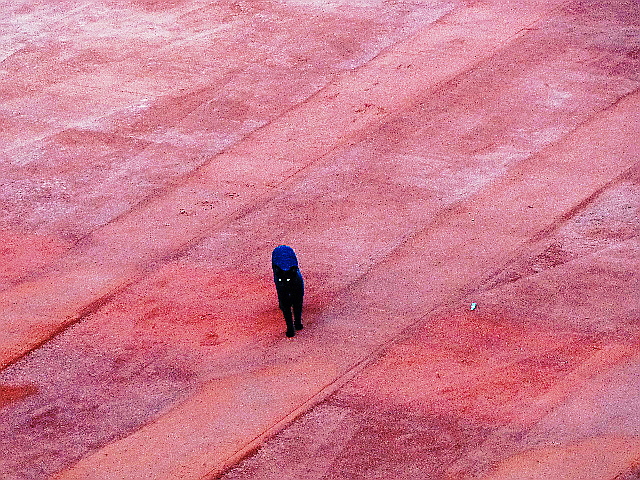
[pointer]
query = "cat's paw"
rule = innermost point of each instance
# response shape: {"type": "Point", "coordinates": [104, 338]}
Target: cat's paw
{"type": "Point", "coordinates": [299, 326]}
{"type": "Point", "coordinates": [291, 333]}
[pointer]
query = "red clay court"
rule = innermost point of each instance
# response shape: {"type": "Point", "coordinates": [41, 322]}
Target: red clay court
{"type": "Point", "coordinates": [421, 156]}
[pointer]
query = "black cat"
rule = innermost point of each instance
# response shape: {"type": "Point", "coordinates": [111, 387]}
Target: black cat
{"type": "Point", "coordinates": [289, 285]}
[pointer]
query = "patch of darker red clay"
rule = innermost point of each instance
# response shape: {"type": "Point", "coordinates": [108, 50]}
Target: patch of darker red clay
{"type": "Point", "coordinates": [183, 304]}
{"type": "Point", "coordinates": [22, 254]}
{"type": "Point", "coordinates": [480, 364]}
{"type": "Point", "coordinates": [13, 393]}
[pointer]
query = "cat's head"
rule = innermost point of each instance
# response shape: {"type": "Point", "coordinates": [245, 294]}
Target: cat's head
{"type": "Point", "coordinates": [285, 276]}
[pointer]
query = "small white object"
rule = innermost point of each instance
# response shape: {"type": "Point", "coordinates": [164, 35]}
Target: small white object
{"type": "Point", "coordinates": [473, 306]}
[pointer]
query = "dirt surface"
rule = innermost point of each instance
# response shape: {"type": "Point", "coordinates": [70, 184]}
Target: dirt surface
{"type": "Point", "coordinates": [420, 157]}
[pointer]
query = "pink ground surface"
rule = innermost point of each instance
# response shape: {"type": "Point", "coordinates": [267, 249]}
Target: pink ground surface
{"type": "Point", "coordinates": [420, 156]}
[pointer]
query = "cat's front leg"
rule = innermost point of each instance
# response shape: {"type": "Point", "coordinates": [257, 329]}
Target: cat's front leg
{"type": "Point", "coordinates": [291, 330]}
